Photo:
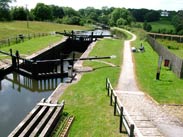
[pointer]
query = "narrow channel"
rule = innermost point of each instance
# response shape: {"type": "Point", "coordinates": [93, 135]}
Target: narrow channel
{"type": "Point", "coordinates": [19, 94]}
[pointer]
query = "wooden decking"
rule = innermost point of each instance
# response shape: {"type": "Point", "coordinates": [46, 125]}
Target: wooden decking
{"type": "Point", "coordinates": [40, 121]}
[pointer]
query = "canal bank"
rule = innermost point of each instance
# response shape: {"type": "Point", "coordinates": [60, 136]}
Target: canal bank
{"type": "Point", "coordinates": [24, 92]}
{"type": "Point", "coordinates": [62, 85]}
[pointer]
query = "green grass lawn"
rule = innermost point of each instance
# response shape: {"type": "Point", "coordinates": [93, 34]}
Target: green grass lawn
{"type": "Point", "coordinates": [10, 29]}
{"type": "Point", "coordinates": [31, 46]}
{"type": "Point", "coordinates": [162, 25]}
{"type": "Point", "coordinates": [88, 101]}
{"type": "Point", "coordinates": [167, 90]}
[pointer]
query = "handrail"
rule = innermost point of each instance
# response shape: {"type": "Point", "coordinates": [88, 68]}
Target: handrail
{"type": "Point", "coordinates": [125, 118]}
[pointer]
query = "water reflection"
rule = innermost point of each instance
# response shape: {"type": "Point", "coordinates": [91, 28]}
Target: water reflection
{"type": "Point", "coordinates": [31, 84]}
{"type": "Point", "coordinates": [18, 95]}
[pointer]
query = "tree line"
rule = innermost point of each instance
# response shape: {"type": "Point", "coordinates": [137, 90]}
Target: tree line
{"type": "Point", "coordinates": [109, 16]}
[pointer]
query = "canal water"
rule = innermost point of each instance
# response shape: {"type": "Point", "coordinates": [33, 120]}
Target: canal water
{"type": "Point", "coordinates": [18, 95]}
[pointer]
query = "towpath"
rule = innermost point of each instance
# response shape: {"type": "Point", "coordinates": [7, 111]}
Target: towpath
{"type": "Point", "coordinates": [148, 116]}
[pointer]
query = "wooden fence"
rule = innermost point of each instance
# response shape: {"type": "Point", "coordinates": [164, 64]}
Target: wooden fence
{"type": "Point", "coordinates": [21, 38]}
{"type": "Point", "coordinates": [118, 108]}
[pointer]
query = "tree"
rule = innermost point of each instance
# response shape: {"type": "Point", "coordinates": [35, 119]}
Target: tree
{"type": "Point", "coordinates": [70, 12]}
{"type": "Point", "coordinates": [57, 11]}
{"type": "Point", "coordinates": [147, 26]}
{"type": "Point", "coordinates": [4, 10]}
{"type": "Point", "coordinates": [139, 14]}
{"type": "Point", "coordinates": [152, 16]}
{"type": "Point", "coordinates": [121, 22]}
{"type": "Point", "coordinates": [19, 13]}
{"type": "Point", "coordinates": [42, 12]}
{"type": "Point", "coordinates": [177, 21]}
{"type": "Point", "coordinates": [120, 13]}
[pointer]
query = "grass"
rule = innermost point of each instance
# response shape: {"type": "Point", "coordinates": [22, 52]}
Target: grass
{"type": "Point", "coordinates": [163, 25]}
{"type": "Point", "coordinates": [167, 90]}
{"type": "Point", "coordinates": [121, 33]}
{"type": "Point", "coordinates": [31, 46]}
{"type": "Point", "coordinates": [88, 101]}
{"type": "Point", "coordinates": [10, 29]}
{"type": "Point", "coordinates": [173, 46]}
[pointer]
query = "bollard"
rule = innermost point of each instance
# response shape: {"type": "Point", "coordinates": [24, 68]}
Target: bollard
{"type": "Point", "coordinates": [70, 71]}
{"type": "Point", "coordinates": [121, 120]}
{"type": "Point", "coordinates": [132, 130]}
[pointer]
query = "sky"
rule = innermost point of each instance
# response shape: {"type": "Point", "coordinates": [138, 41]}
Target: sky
{"type": "Point", "coordinates": [98, 4]}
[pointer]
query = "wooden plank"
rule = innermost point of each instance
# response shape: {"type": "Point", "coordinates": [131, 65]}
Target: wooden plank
{"type": "Point", "coordinates": [51, 123]}
{"type": "Point", "coordinates": [25, 121]}
{"type": "Point", "coordinates": [43, 122]}
{"type": "Point", "coordinates": [33, 122]}
{"type": "Point", "coordinates": [50, 105]}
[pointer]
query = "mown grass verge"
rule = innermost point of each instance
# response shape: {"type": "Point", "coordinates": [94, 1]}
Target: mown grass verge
{"type": "Point", "coordinates": [167, 90]}
{"type": "Point", "coordinates": [162, 26]}
{"type": "Point", "coordinates": [88, 101]}
{"type": "Point", "coordinates": [9, 29]}
{"type": "Point", "coordinates": [31, 46]}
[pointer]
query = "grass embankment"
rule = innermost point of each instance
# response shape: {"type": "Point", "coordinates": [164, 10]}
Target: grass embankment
{"type": "Point", "coordinates": [119, 32]}
{"type": "Point", "coordinates": [9, 29]}
{"type": "Point", "coordinates": [87, 100]}
{"type": "Point", "coordinates": [31, 46]}
{"type": "Point", "coordinates": [167, 90]}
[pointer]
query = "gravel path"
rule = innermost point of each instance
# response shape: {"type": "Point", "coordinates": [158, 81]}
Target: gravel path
{"type": "Point", "coordinates": [149, 117]}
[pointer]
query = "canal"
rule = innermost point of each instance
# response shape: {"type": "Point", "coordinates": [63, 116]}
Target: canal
{"type": "Point", "coordinates": [19, 94]}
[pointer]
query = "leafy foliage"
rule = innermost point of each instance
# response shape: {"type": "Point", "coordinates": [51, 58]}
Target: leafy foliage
{"type": "Point", "coordinates": [147, 26]}
{"type": "Point", "coordinates": [177, 21]}
{"type": "Point", "coordinates": [42, 12]}
{"type": "Point", "coordinates": [19, 13]}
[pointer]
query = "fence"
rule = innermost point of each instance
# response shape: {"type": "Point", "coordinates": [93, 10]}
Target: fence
{"type": "Point", "coordinates": [178, 38]}
{"type": "Point", "coordinates": [124, 117]}
{"type": "Point", "coordinates": [21, 38]}
{"type": "Point", "coordinates": [176, 64]}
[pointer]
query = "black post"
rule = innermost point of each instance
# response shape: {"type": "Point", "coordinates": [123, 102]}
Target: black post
{"type": "Point", "coordinates": [35, 70]}
{"type": "Point", "coordinates": [106, 83]}
{"type": "Point", "coordinates": [92, 37]}
{"type": "Point", "coordinates": [73, 58]}
{"type": "Point", "coordinates": [17, 58]}
{"type": "Point", "coordinates": [61, 65]}
{"type": "Point", "coordinates": [111, 97]}
{"type": "Point", "coordinates": [159, 67]}
{"type": "Point", "coordinates": [132, 130]}
{"type": "Point", "coordinates": [10, 52]}
{"type": "Point", "coordinates": [8, 42]}
{"type": "Point", "coordinates": [115, 105]}
{"type": "Point", "coordinates": [121, 120]}
{"type": "Point", "coordinates": [72, 33]}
